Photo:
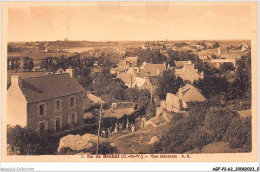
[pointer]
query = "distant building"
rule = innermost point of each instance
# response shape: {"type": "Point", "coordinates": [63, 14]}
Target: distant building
{"type": "Point", "coordinates": [156, 47]}
{"type": "Point", "coordinates": [131, 61]}
{"type": "Point", "coordinates": [47, 102]}
{"type": "Point", "coordinates": [244, 47]}
{"type": "Point", "coordinates": [127, 78]}
{"type": "Point", "coordinates": [187, 71]}
{"type": "Point", "coordinates": [164, 52]}
{"type": "Point", "coordinates": [119, 70]}
{"type": "Point", "coordinates": [53, 50]}
{"type": "Point", "coordinates": [94, 98]}
{"type": "Point", "coordinates": [218, 62]}
{"type": "Point", "coordinates": [236, 54]}
{"type": "Point", "coordinates": [189, 93]}
{"type": "Point", "coordinates": [148, 69]}
{"type": "Point", "coordinates": [178, 102]}
{"type": "Point", "coordinates": [173, 103]}
{"type": "Point", "coordinates": [142, 83]}
{"type": "Point", "coordinates": [60, 71]}
{"type": "Point", "coordinates": [203, 55]}
{"type": "Point", "coordinates": [133, 70]}
{"type": "Point", "coordinates": [223, 52]}
{"type": "Point", "coordinates": [146, 47]}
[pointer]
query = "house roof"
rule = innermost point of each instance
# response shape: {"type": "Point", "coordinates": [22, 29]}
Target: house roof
{"type": "Point", "coordinates": [60, 71]}
{"type": "Point", "coordinates": [127, 78]}
{"type": "Point", "coordinates": [149, 69]}
{"type": "Point", "coordinates": [189, 93]}
{"type": "Point", "coordinates": [202, 53]}
{"type": "Point", "coordinates": [41, 88]}
{"type": "Point", "coordinates": [143, 83]}
{"type": "Point", "coordinates": [121, 68]}
{"type": "Point", "coordinates": [131, 59]}
{"type": "Point", "coordinates": [156, 47]}
{"type": "Point", "coordinates": [155, 66]}
{"type": "Point", "coordinates": [149, 72]}
{"type": "Point", "coordinates": [191, 75]}
{"type": "Point", "coordinates": [171, 98]}
{"type": "Point", "coordinates": [94, 98]}
{"type": "Point", "coordinates": [180, 64]}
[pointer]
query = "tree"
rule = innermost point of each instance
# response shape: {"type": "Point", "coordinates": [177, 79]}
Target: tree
{"type": "Point", "coordinates": [49, 63]}
{"type": "Point", "coordinates": [16, 63]}
{"type": "Point", "coordinates": [216, 45]}
{"type": "Point", "coordinates": [144, 98]}
{"type": "Point", "coordinates": [168, 83]}
{"type": "Point", "coordinates": [12, 63]}
{"type": "Point", "coordinates": [116, 89]}
{"type": "Point", "coordinates": [164, 46]}
{"type": "Point", "coordinates": [131, 94]}
{"type": "Point", "coordinates": [84, 78]}
{"type": "Point", "coordinates": [62, 62]}
{"type": "Point", "coordinates": [101, 82]}
{"type": "Point", "coordinates": [241, 87]}
{"type": "Point", "coordinates": [28, 63]}
{"type": "Point", "coordinates": [212, 83]}
{"type": "Point", "coordinates": [227, 67]}
{"type": "Point", "coordinates": [27, 142]}
{"type": "Point", "coordinates": [148, 56]}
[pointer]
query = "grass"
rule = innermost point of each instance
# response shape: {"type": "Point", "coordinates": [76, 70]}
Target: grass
{"type": "Point", "coordinates": [37, 55]}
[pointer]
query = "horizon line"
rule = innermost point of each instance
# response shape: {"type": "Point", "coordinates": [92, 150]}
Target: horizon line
{"type": "Point", "coordinates": [244, 39]}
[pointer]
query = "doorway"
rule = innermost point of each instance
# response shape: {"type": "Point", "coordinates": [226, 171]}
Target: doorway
{"type": "Point", "coordinates": [58, 124]}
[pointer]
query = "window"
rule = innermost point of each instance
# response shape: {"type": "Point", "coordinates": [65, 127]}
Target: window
{"type": "Point", "coordinates": [73, 121]}
{"type": "Point", "coordinates": [42, 127]}
{"type": "Point", "coordinates": [72, 118]}
{"type": "Point", "coordinates": [41, 109]}
{"type": "Point", "coordinates": [72, 101]}
{"type": "Point", "coordinates": [58, 105]}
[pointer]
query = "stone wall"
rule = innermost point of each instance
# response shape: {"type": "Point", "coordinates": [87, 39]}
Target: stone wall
{"type": "Point", "coordinates": [51, 114]}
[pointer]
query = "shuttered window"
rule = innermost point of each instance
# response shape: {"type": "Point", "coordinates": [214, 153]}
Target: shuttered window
{"type": "Point", "coordinates": [72, 101]}
{"type": "Point", "coordinates": [41, 109]}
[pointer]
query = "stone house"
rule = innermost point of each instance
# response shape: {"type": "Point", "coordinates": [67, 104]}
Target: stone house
{"type": "Point", "coordinates": [189, 93]}
{"type": "Point", "coordinates": [148, 69]}
{"type": "Point", "coordinates": [186, 70]}
{"type": "Point", "coordinates": [172, 103]}
{"type": "Point", "coordinates": [48, 102]}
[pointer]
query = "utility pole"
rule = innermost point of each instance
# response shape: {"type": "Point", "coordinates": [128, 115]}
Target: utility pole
{"type": "Point", "coordinates": [100, 114]}
{"type": "Point", "coordinates": [151, 101]}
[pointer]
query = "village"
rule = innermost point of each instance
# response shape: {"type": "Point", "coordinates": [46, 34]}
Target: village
{"type": "Point", "coordinates": [73, 97]}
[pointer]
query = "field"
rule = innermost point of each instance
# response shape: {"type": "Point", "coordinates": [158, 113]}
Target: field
{"type": "Point", "coordinates": [38, 55]}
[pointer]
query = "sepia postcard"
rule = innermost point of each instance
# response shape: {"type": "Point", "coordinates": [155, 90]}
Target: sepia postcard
{"type": "Point", "coordinates": [129, 82]}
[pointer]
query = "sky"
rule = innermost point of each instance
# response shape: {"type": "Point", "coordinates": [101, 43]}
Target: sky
{"type": "Point", "coordinates": [121, 21]}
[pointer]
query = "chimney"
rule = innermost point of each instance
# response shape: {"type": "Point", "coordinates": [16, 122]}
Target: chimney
{"type": "Point", "coordinates": [71, 72]}
{"type": "Point", "coordinates": [219, 51]}
{"type": "Point", "coordinates": [16, 80]}
{"type": "Point", "coordinates": [164, 63]}
{"type": "Point", "coordinates": [158, 71]}
{"type": "Point", "coordinates": [144, 64]}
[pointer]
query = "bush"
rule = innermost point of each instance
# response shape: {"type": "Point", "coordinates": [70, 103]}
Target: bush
{"type": "Point", "coordinates": [65, 127]}
{"type": "Point", "coordinates": [206, 123]}
{"type": "Point", "coordinates": [239, 133]}
{"type": "Point", "coordinates": [27, 142]}
{"type": "Point", "coordinates": [150, 111]}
